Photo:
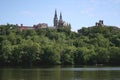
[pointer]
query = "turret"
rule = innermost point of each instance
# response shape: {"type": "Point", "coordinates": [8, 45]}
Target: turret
{"type": "Point", "coordinates": [100, 23]}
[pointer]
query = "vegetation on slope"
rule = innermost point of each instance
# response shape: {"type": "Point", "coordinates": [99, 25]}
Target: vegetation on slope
{"type": "Point", "coordinates": [92, 45]}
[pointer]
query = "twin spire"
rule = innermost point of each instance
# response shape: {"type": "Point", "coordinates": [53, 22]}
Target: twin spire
{"type": "Point", "coordinates": [56, 22]}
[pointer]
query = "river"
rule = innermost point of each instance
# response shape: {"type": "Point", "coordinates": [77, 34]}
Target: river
{"type": "Point", "coordinates": [60, 73]}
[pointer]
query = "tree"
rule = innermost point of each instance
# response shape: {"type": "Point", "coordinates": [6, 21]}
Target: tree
{"type": "Point", "coordinates": [114, 55]}
{"type": "Point", "coordinates": [31, 53]}
{"type": "Point", "coordinates": [6, 52]}
{"type": "Point", "coordinates": [51, 55]}
{"type": "Point", "coordinates": [67, 55]}
{"type": "Point", "coordinates": [102, 55]}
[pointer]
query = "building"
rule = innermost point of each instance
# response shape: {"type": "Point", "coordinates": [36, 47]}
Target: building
{"type": "Point", "coordinates": [59, 23]}
{"type": "Point", "coordinates": [22, 27]}
{"type": "Point", "coordinates": [41, 25]}
{"type": "Point", "coordinates": [100, 23]}
{"type": "Point", "coordinates": [34, 27]}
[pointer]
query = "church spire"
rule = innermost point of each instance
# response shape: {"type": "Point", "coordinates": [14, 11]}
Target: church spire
{"type": "Point", "coordinates": [55, 19]}
{"type": "Point", "coordinates": [60, 20]}
{"type": "Point", "coordinates": [60, 16]}
{"type": "Point", "coordinates": [55, 13]}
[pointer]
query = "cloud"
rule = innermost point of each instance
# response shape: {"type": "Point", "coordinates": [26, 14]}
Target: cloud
{"type": "Point", "coordinates": [93, 1]}
{"type": "Point", "coordinates": [88, 11]}
{"type": "Point", "coordinates": [28, 13]}
{"type": "Point", "coordinates": [105, 2]}
{"type": "Point", "coordinates": [116, 1]}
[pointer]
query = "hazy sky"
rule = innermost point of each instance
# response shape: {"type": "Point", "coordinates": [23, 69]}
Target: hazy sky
{"type": "Point", "coordinates": [79, 13]}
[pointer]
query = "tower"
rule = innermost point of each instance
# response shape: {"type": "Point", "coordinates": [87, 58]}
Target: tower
{"type": "Point", "coordinates": [61, 16]}
{"type": "Point", "coordinates": [55, 19]}
{"type": "Point", "coordinates": [100, 23]}
{"type": "Point", "coordinates": [60, 20]}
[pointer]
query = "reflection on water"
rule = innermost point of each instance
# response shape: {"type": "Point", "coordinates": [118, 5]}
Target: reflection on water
{"type": "Point", "coordinates": [61, 73]}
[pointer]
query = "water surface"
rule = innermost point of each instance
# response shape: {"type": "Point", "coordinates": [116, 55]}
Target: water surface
{"type": "Point", "coordinates": [61, 73]}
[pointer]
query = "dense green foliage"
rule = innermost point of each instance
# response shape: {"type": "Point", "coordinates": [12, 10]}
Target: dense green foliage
{"type": "Point", "coordinates": [92, 45]}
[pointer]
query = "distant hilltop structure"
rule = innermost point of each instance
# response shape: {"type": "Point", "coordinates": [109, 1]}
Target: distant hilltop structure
{"type": "Point", "coordinates": [34, 27]}
{"type": "Point", "coordinates": [100, 23]}
{"type": "Point", "coordinates": [56, 24]}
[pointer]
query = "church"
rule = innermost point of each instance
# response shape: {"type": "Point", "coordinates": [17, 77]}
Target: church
{"type": "Point", "coordinates": [56, 24]}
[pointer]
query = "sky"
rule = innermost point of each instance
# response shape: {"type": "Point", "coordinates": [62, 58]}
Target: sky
{"type": "Point", "coordinates": [79, 13]}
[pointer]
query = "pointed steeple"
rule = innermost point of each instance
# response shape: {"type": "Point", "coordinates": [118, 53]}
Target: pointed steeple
{"type": "Point", "coordinates": [60, 20]}
{"type": "Point", "coordinates": [55, 19]}
{"type": "Point", "coordinates": [55, 13]}
{"type": "Point", "coordinates": [60, 16]}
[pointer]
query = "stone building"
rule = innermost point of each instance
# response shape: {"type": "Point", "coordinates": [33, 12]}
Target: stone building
{"type": "Point", "coordinates": [58, 23]}
{"type": "Point", "coordinates": [34, 27]}
{"type": "Point", "coordinates": [22, 27]}
{"type": "Point", "coordinates": [100, 23]}
{"type": "Point", "coordinates": [41, 25]}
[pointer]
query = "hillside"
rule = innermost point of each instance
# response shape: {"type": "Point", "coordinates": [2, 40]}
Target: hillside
{"type": "Point", "coordinates": [90, 46]}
